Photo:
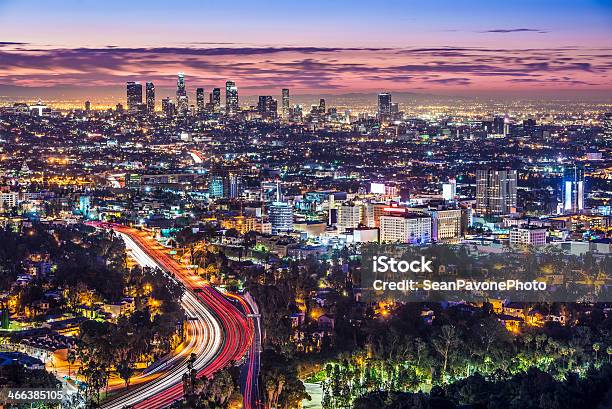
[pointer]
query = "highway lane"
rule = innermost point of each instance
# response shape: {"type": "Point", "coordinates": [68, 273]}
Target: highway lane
{"type": "Point", "coordinates": [249, 376]}
{"type": "Point", "coordinates": [223, 334]}
{"type": "Point", "coordinates": [205, 342]}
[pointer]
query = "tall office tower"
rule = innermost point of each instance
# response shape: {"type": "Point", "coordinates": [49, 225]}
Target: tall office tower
{"type": "Point", "coordinates": [394, 108]}
{"type": "Point", "coordinates": [296, 113]}
{"type": "Point", "coordinates": [233, 185]}
{"type": "Point", "coordinates": [215, 186]}
{"type": "Point", "coordinates": [285, 102]}
{"type": "Point", "coordinates": [496, 191]}
{"type": "Point", "coordinates": [498, 125]}
{"type": "Point", "coordinates": [322, 106]}
{"type": "Point", "coordinates": [150, 97]}
{"type": "Point", "coordinates": [349, 216]}
{"type": "Point", "coordinates": [231, 98]}
{"type": "Point", "coordinates": [273, 109]}
{"type": "Point", "coordinates": [529, 125]}
{"type": "Point", "coordinates": [200, 99]}
{"type": "Point", "coordinates": [168, 107]}
{"type": "Point", "coordinates": [267, 107]}
{"type": "Point", "coordinates": [449, 190]}
{"type": "Point", "coordinates": [573, 189]}
{"type": "Point", "coordinates": [281, 217]}
{"type": "Point", "coordinates": [182, 102]}
{"type": "Point", "coordinates": [607, 124]}
{"type": "Point", "coordinates": [215, 99]}
{"type": "Point", "coordinates": [263, 103]}
{"type": "Point", "coordinates": [134, 96]}
{"type": "Point", "coordinates": [384, 103]}
{"type": "Point", "coordinates": [87, 106]}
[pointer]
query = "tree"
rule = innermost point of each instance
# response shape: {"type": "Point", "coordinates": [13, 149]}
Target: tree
{"type": "Point", "coordinates": [596, 347]}
{"type": "Point", "coordinates": [71, 358]}
{"type": "Point", "coordinates": [445, 344]}
{"type": "Point", "coordinates": [125, 370]}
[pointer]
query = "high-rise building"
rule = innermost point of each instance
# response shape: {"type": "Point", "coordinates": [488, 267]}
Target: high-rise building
{"type": "Point", "coordinates": [150, 97]}
{"type": "Point", "coordinates": [445, 224]}
{"type": "Point", "coordinates": [607, 124]}
{"type": "Point", "coordinates": [496, 191]}
{"type": "Point", "coordinates": [200, 100]}
{"type": "Point", "coordinates": [168, 107]}
{"type": "Point", "coordinates": [226, 183]}
{"type": "Point", "coordinates": [285, 102]}
{"type": "Point", "coordinates": [180, 85]}
{"type": "Point", "coordinates": [215, 99]}
{"type": "Point", "coordinates": [322, 106]}
{"type": "Point", "coordinates": [384, 103]}
{"type": "Point", "coordinates": [182, 102]}
{"type": "Point", "coordinates": [573, 189]}
{"type": "Point", "coordinates": [296, 113]}
{"type": "Point", "coordinates": [231, 98]}
{"type": "Point", "coordinates": [263, 103]}
{"type": "Point", "coordinates": [134, 96]}
{"type": "Point", "coordinates": [449, 190]}
{"type": "Point", "coordinates": [215, 186]}
{"type": "Point", "coordinates": [498, 125]}
{"type": "Point", "coordinates": [267, 107]}
{"type": "Point", "coordinates": [87, 106]}
{"type": "Point", "coordinates": [349, 216]}
{"type": "Point", "coordinates": [409, 228]}
{"type": "Point", "coordinates": [281, 217]}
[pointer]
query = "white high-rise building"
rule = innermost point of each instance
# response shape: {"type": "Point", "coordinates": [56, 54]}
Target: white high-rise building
{"type": "Point", "coordinates": [349, 216]}
{"type": "Point", "coordinates": [449, 190]}
{"type": "Point", "coordinates": [414, 229]}
{"type": "Point", "coordinates": [573, 189]}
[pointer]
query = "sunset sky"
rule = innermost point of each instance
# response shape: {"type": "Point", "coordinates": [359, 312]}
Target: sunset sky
{"type": "Point", "coordinates": [311, 47]}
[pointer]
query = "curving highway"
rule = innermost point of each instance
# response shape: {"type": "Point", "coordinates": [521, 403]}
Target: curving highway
{"type": "Point", "coordinates": [220, 334]}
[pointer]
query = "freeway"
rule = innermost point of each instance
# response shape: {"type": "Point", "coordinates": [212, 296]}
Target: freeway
{"type": "Point", "coordinates": [220, 333]}
{"type": "Point", "coordinates": [250, 372]}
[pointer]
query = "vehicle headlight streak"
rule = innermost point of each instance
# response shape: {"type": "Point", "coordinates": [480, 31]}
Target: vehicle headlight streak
{"type": "Point", "coordinates": [220, 333]}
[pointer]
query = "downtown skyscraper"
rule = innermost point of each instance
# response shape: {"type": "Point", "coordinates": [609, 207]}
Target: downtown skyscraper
{"type": "Point", "coordinates": [182, 102]}
{"type": "Point", "coordinates": [231, 98]}
{"type": "Point", "coordinates": [200, 100]}
{"type": "Point", "coordinates": [215, 99]}
{"type": "Point", "coordinates": [134, 96]}
{"type": "Point", "coordinates": [384, 103]}
{"type": "Point", "coordinates": [285, 102]}
{"type": "Point", "coordinates": [150, 97]}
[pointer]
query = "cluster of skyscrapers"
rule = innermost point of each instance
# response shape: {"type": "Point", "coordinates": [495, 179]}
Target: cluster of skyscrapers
{"type": "Point", "coordinates": [496, 191]}
{"type": "Point", "coordinates": [267, 106]}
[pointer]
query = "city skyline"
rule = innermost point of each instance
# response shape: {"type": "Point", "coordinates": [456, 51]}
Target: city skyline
{"type": "Point", "coordinates": [320, 205]}
{"type": "Point", "coordinates": [478, 50]}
